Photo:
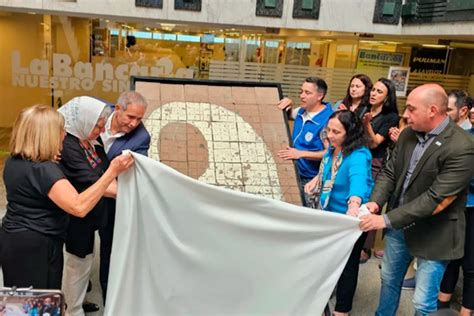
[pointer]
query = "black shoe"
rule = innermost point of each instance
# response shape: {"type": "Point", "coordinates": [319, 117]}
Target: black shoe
{"type": "Point", "coordinates": [443, 305]}
{"type": "Point", "coordinates": [89, 286]}
{"type": "Point", "coordinates": [90, 307]}
{"type": "Point", "coordinates": [409, 284]}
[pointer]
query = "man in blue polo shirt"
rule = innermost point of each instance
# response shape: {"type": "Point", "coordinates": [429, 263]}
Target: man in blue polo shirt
{"type": "Point", "coordinates": [310, 119]}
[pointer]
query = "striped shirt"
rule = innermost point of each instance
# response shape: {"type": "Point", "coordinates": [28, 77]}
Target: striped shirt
{"type": "Point", "coordinates": [424, 141]}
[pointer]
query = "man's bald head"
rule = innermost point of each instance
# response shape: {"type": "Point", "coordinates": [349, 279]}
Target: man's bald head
{"type": "Point", "coordinates": [427, 106]}
{"type": "Point", "coordinates": [432, 94]}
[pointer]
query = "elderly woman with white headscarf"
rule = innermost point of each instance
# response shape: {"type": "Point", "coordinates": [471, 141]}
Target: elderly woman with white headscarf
{"type": "Point", "coordinates": [83, 161]}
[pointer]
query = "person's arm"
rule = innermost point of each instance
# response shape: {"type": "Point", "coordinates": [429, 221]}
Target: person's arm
{"type": "Point", "coordinates": [309, 187]}
{"type": "Point", "coordinates": [64, 195]}
{"type": "Point", "coordinates": [291, 153]}
{"type": "Point", "coordinates": [394, 133]}
{"type": "Point", "coordinates": [286, 104]}
{"type": "Point", "coordinates": [111, 191]}
{"type": "Point", "coordinates": [374, 139]}
{"type": "Point", "coordinates": [359, 183]}
{"type": "Point", "coordinates": [450, 181]}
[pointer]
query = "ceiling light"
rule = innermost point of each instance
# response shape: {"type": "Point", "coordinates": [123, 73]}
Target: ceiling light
{"type": "Point", "coordinates": [167, 26]}
{"type": "Point", "coordinates": [433, 46]}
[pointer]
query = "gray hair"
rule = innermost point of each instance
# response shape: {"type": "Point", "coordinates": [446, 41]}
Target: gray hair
{"type": "Point", "coordinates": [105, 113]}
{"type": "Point", "coordinates": [131, 97]}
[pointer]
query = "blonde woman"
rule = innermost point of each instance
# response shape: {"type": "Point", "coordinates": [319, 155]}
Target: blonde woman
{"type": "Point", "coordinates": [40, 200]}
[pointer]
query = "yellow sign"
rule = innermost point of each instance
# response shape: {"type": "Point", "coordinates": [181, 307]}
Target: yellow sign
{"type": "Point", "coordinates": [377, 59]}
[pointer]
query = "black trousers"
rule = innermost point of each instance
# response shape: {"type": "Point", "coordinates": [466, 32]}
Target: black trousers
{"type": "Point", "coordinates": [467, 263]}
{"type": "Point", "coordinates": [106, 234]}
{"type": "Point", "coordinates": [30, 258]}
{"type": "Point", "coordinates": [347, 284]}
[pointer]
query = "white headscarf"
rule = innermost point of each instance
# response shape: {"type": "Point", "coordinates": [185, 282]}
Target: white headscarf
{"type": "Point", "coordinates": [81, 115]}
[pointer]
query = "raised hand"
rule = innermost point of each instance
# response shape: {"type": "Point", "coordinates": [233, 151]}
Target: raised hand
{"type": "Point", "coordinates": [394, 132]}
{"type": "Point", "coordinates": [367, 118]}
{"type": "Point", "coordinates": [285, 104]}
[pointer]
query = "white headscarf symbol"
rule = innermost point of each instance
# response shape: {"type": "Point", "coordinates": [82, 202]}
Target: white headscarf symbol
{"type": "Point", "coordinates": [81, 115]}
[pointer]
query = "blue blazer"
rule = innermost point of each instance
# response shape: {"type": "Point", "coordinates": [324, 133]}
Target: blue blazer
{"type": "Point", "coordinates": [137, 141]}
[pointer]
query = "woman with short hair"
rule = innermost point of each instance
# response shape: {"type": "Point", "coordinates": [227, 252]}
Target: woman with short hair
{"type": "Point", "coordinates": [39, 199]}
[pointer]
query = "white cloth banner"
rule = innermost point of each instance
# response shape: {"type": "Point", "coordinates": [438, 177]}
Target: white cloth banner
{"type": "Point", "coordinates": [182, 247]}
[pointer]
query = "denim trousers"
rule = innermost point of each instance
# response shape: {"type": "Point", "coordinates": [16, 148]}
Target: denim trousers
{"type": "Point", "coordinates": [395, 264]}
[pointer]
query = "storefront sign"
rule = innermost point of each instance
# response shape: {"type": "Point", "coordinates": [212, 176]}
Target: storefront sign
{"type": "Point", "coordinates": [428, 60]}
{"type": "Point", "coordinates": [377, 59]}
{"type": "Point", "coordinates": [62, 74]}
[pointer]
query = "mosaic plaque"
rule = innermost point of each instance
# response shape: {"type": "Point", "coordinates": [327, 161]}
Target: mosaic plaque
{"type": "Point", "coordinates": [222, 133]}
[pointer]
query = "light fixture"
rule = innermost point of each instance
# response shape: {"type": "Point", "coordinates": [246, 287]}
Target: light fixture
{"type": "Point", "coordinates": [392, 43]}
{"type": "Point", "coordinates": [167, 26]}
{"type": "Point", "coordinates": [433, 46]}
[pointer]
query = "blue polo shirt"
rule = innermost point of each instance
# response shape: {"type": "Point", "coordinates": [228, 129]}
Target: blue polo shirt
{"type": "Point", "coordinates": [306, 136]}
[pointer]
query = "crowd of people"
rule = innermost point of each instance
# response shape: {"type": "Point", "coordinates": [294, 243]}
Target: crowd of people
{"type": "Point", "coordinates": [421, 168]}
{"type": "Point", "coordinates": [413, 174]}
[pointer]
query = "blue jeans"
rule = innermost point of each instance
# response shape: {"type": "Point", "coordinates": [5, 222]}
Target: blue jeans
{"type": "Point", "coordinates": [395, 264]}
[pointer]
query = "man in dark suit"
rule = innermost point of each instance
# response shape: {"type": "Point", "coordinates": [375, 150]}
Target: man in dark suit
{"type": "Point", "coordinates": [425, 185]}
{"type": "Point", "coordinates": [124, 130]}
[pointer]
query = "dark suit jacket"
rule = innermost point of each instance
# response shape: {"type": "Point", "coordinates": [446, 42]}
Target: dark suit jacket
{"type": "Point", "coordinates": [432, 215]}
{"type": "Point", "coordinates": [137, 141]}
